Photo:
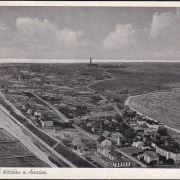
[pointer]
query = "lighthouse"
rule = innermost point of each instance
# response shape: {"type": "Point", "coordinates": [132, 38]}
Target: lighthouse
{"type": "Point", "coordinates": [19, 78]}
{"type": "Point", "coordinates": [90, 60]}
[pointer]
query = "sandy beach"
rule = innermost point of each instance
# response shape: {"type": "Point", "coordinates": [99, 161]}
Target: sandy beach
{"type": "Point", "coordinates": [132, 102]}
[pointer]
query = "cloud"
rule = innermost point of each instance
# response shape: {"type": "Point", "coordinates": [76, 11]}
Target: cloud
{"type": "Point", "coordinates": [35, 38]}
{"type": "Point", "coordinates": [123, 35]}
{"type": "Point", "coordinates": [37, 33]}
{"type": "Point", "coordinates": [69, 38]}
{"type": "Point", "coordinates": [36, 30]}
{"type": "Point", "coordinates": [165, 26]}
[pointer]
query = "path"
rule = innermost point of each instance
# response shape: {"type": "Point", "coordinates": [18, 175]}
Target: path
{"type": "Point", "coordinates": [94, 137]}
{"type": "Point", "coordinates": [62, 116]}
{"type": "Point", "coordinates": [103, 97]}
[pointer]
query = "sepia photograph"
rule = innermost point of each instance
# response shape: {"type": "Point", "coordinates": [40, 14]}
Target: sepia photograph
{"type": "Point", "coordinates": [89, 87]}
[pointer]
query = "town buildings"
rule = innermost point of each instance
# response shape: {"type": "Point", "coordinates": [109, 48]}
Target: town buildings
{"type": "Point", "coordinates": [109, 155]}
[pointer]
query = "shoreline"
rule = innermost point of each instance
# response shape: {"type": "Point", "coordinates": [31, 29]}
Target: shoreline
{"type": "Point", "coordinates": [127, 103]}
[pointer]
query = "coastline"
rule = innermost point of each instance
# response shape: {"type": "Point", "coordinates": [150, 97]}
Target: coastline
{"type": "Point", "coordinates": [127, 103]}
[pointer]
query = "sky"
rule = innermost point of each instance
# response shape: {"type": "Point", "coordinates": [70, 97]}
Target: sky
{"type": "Point", "coordinates": [126, 33]}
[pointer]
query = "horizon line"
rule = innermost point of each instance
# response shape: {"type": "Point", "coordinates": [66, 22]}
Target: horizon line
{"type": "Point", "coordinates": [4, 61]}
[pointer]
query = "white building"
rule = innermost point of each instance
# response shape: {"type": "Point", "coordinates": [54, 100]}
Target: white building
{"type": "Point", "coordinates": [47, 123]}
{"type": "Point", "coordinates": [150, 156]}
{"type": "Point", "coordinates": [168, 154]}
{"type": "Point", "coordinates": [137, 144]}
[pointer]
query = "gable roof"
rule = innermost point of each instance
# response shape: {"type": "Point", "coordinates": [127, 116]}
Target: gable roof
{"type": "Point", "coordinates": [101, 139]}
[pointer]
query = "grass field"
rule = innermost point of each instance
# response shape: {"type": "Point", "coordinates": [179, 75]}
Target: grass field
{"type": "Point", "coordinates": [13, 150]}
{"type": "Point", "coordinates": [5, 136]}
{"type": "Point", "coordinates": [22, 162]}
{"type": "Point", "coordinates": [15, 154]}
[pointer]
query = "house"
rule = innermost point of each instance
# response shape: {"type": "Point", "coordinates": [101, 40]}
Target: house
{"type": "Point", "coordinates": [145, 146]}
{"type": "Point", "coordinates": [102, 101]}
{"type": "Point", "coordinates": [78, 121]}
{"type": "Point", "coordinates": [79, 146]}
{"type": "Point", "coordinates": [141, 121]}
{"type": "Point", "coordinates": [132, 124]}
{"type": "Point", "coordinates": [109, 155]}
{"type": "Point", "coordinates": [150, 156]}
{"type": "Point", "coordinates": [102, 141]}
{"type": "Point", "coordinates": [105, 160]}
{"type": "Point", "coordinates": [29, 111]}
{"type": "Point", "coordinates": [129, 113]}
{"type": "Point", "coordinates": [137, 128]}
{"type": "Point", "coordinates": [106, 133]}
{"type": "Point", "coordinates": [47, 123]}
{"type": "Point", "coordinates": [124, 91]}
{"type": "Point", "coordinates": [63, 124]}
{"type": "Point", "coordinates": [113, 154]}
{"type": "Point", "coordinates": [104, 151]}
{"type": "Point", "coordinates": [72, 108]}
{"type": "Point", "coordinates": [140, 156]}
{"type": "Point", "coordinates": [23, 107]}
{"type": "Point", "coordinates": [111, 99]}
{"type": "Point", "coordinates": [85, 93]}
{"type": "Point", "coordinates": [137, 143]}
{"type": "Point", "coordinates": [121, 162]}
{"type": "Point", "coordinates": [149, 130]}
{"type": "Point", "coordinates": [96, 94]}
{"type": "Point", "coordinates": [103, 146]}
{"type": "Point", "coordinates": [37, 114]}
{"type": "Point", "coordinates": [168, 154]}
{"type": "Point", "coordinates": [153, 124]}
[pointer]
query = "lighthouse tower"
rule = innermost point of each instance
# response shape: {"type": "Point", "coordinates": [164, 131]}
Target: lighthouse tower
{"type": "Point", "coordinates": [19, 78]}
{"type": "Point", "coordinates": [90, 60]}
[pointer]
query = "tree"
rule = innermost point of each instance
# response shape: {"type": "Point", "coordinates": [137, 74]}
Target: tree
{"type": "Point", "coordinates": [162, 159]}
{"type": "Point", "coordinates": [152, 163]}
{"type": "Point", "coordinates": [118, 118]}
{"type": "Point", "coordinates": [162, 131]}
{"type": "Point", "coordinates": [170, 162]}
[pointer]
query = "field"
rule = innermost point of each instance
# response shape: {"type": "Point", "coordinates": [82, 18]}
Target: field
{"type": "Point", "coordinates": [22, 162]}
{"type": "Point", "coordinates": [5, 136]}
{"type": "Point", "coordinates": [15, 154]}
{"type": "Point", "coordinates": [160, 106]}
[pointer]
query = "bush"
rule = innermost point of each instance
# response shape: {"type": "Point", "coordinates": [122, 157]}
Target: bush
{"type": "Point", "coordinates": [169, 162]}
